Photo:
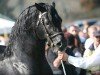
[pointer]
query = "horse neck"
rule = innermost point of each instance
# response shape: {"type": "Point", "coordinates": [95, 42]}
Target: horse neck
{"type": "Point", "coordinates": [34, 50]}
{"type": "Point", "coordinates": [41, 48]}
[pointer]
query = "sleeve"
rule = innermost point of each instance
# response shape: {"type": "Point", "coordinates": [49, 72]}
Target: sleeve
{"type": "Point", "coordinates": [86, 63]}
{"type": "Point", "coordinates": [77, 61]}
{"type": "Point", "coordinates": [87, 53]}
{"type": "Point", "coordinates": [88, 42]}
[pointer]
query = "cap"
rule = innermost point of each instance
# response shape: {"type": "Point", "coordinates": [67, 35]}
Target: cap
{"type": "Point", "coordinates": [97, 33]}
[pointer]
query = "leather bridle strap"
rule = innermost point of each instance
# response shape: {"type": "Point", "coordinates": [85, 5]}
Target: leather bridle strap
{"type": "Point", "coordinates": [48, 36]}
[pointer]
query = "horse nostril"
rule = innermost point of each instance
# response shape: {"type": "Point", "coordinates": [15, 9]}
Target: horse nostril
{"type": "Point", "coordinates": [59, 44]}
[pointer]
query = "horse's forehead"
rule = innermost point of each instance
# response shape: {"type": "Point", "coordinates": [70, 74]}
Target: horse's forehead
{"type": "Point", "coordinates": [41, 14]}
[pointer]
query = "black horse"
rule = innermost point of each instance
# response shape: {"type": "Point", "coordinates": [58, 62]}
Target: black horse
{"type": "Point", "coordinates": [25, 53]}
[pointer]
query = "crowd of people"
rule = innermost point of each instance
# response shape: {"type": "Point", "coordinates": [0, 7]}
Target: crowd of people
{"type": "Point", "coordinates": [82, 55]}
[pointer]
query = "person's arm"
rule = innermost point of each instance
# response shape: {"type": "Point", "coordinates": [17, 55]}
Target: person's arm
{"type": "Point", "coordinates": [78, 62]}
{"type": "Point", "coordinates": [85, 63]}
{"type": "Point", "coordinates": [57, 61]}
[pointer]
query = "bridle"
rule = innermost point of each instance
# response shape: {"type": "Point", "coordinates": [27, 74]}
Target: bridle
{"type": "Point", "coordinates": [47, 33]}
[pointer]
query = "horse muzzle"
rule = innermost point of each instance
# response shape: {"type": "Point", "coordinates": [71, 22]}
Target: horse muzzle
{"type": "Point", "coordinates": [58, 42]}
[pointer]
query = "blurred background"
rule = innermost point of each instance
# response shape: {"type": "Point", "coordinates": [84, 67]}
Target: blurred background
{"type": "Point", "coordinates": [71, 11]}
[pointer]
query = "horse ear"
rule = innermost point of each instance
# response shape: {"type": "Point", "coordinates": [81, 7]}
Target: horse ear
{"type": "Point", "coordinates": [53, 4]}
{"type": "Point", "coordinates": [40, 8]}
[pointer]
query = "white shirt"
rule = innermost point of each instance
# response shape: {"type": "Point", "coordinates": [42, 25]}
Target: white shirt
{"type": "Point", "coordinates": [2, 42]}
{"type": "Point", "coordinates": [88, 42]}
{"type": "Point", "coordinates": [88, 62]}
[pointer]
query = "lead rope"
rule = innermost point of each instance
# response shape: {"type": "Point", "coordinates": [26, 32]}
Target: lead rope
{"type": "Point", "coordinates": [63, 67]}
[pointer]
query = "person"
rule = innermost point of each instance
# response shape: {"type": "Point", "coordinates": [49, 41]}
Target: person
{"type": "Point", "coordinates": [89, 41]}
{"type": "Point", "coordinates": [82, 37]}
{"type": "Point", "coordinates": [74, 30]}
{"type": "Point", "coordinates": [88, 52]}
{"type": "Point", "coordinates": [70, 69]}
{"type": "Point", "coordinates": [85, 26]}
{"type": "Point", "coordinates": [90, 62]}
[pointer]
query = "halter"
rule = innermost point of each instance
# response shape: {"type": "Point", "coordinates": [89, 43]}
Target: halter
{"type": "Point", "coordinates": [48, 36]}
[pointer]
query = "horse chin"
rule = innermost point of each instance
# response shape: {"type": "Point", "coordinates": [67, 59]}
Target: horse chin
{"type": "Point", "coordinates": [60, 46]}
{"type": "Point", "coordinates": [59, 43]}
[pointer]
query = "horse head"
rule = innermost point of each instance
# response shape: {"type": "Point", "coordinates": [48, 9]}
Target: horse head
{"type": "Point", "coordinates": [25, 54]}
{"type": "Point", "coordinates": [49, 23]}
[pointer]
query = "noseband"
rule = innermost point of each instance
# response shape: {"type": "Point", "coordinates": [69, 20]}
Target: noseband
{"type": "Point", "coordinates": [47, 34]}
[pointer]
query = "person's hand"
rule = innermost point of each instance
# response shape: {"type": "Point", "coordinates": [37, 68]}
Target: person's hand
{"type": "Point", "coordinates": [62, 56]}
{"type": "Point", "coordinates": [57, 62]}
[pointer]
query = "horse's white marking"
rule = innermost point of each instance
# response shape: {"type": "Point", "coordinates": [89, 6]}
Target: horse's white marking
{"type": "Point", "coordinates": [41, 14]}
{"type": "Point", "coordinates": [22, 68]}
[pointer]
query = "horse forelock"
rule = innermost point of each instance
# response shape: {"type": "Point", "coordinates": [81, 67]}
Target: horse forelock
{"type": "Point", "coordinates": [56, 19]}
